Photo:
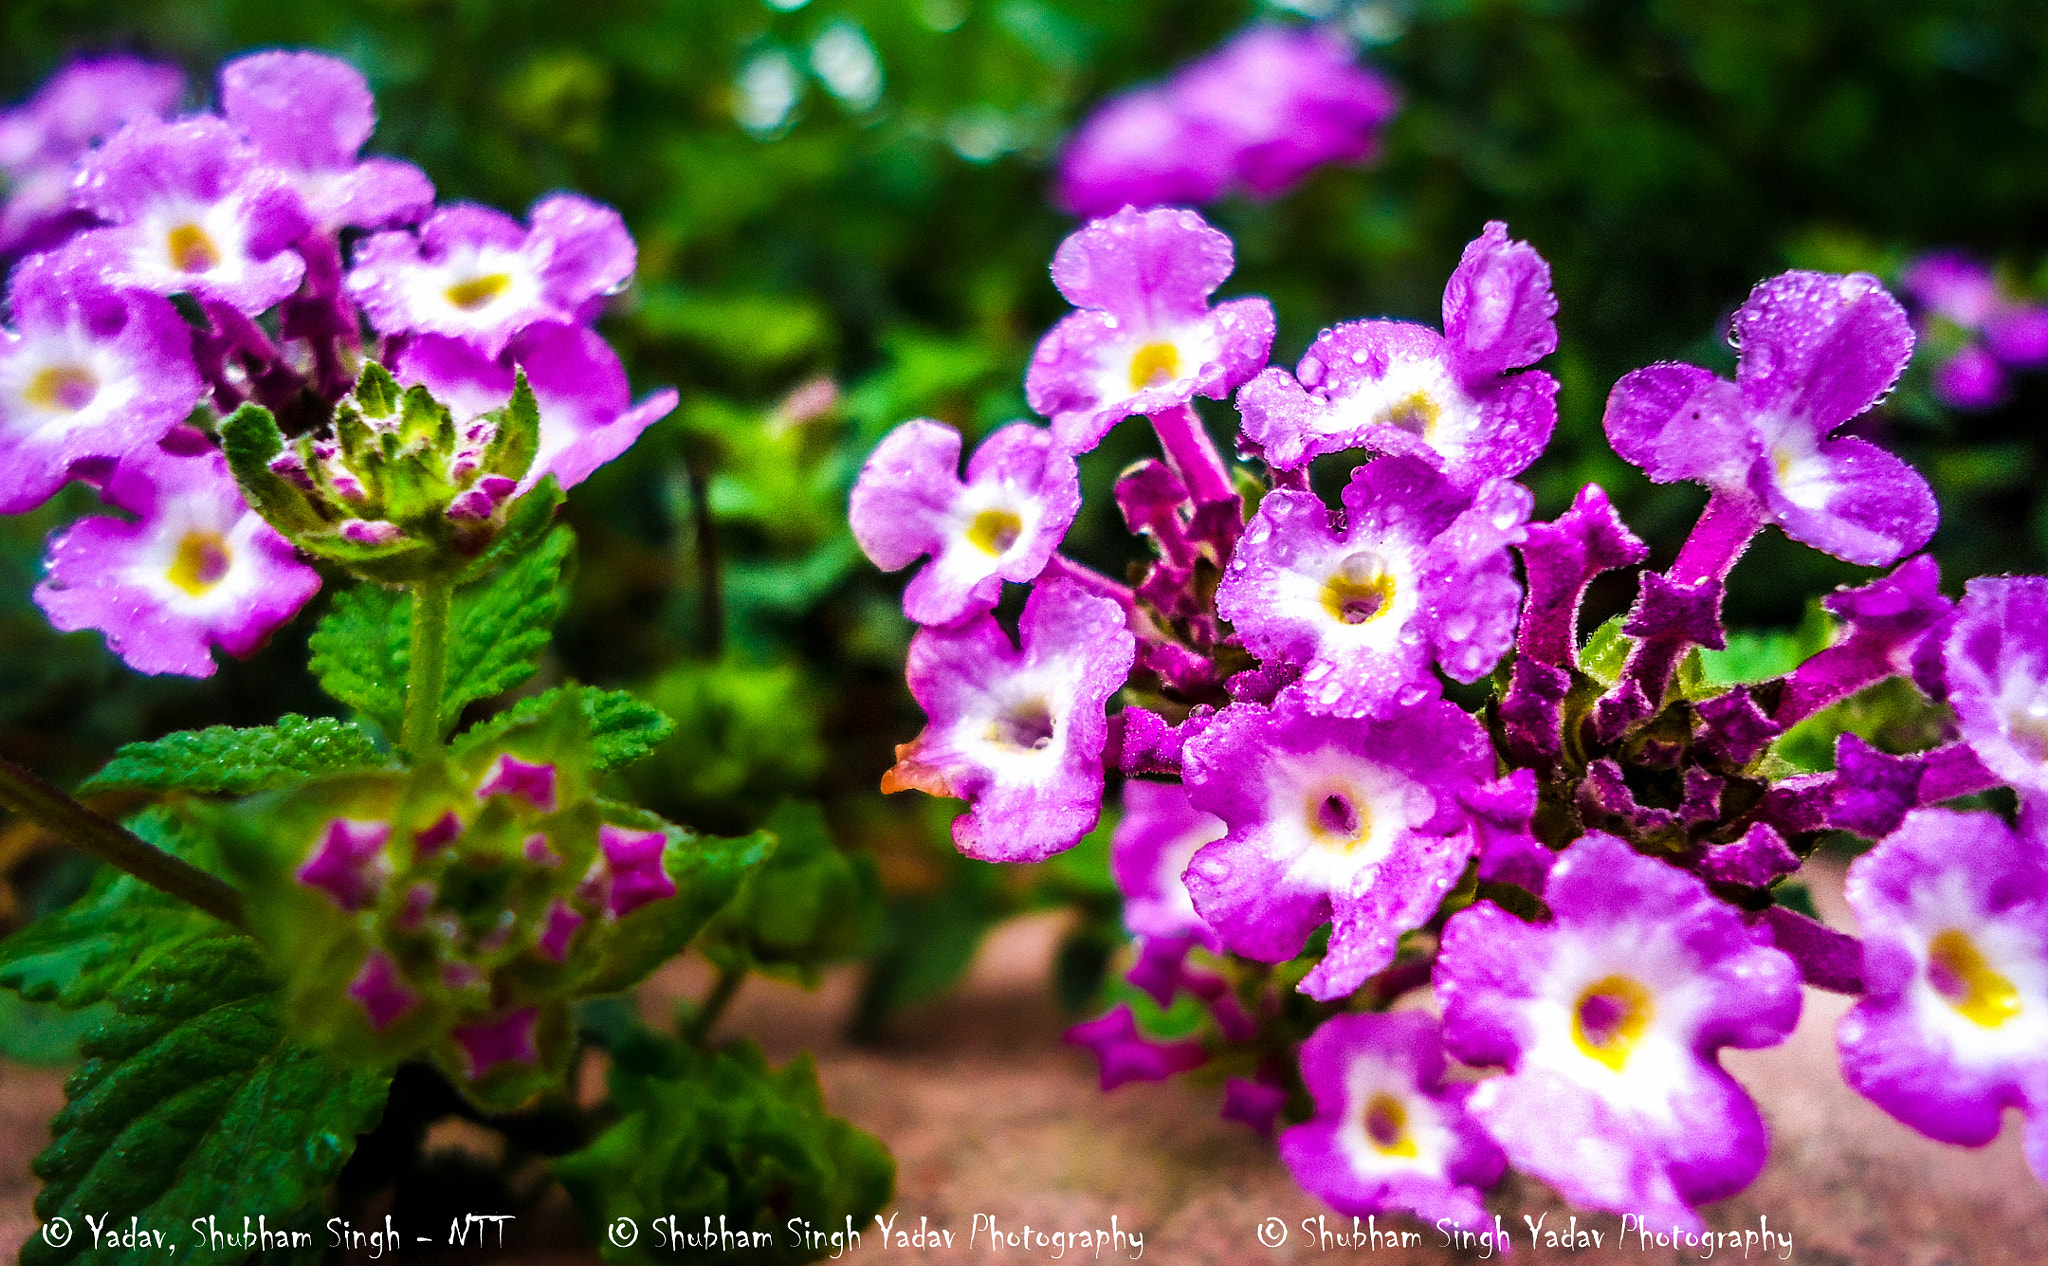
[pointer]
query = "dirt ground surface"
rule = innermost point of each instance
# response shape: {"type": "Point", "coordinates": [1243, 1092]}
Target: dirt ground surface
{"type": "Point", "coordinates": [993, 1120]}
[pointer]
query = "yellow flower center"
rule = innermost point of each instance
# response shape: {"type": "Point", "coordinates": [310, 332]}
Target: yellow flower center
{"type": "Point", "coordinates": [1337, 821]}
{"type": "Point", "coordinates": [1154, 364]}
{"type": "Point", "coordinates": [477, 292]}
{"type": "Point", "coordinates": [201, 562]}
{"type": "Point", "coordinates": [65, 387]}
{"type": "Point", "coordinates": [1968, 982]}
{"type": "Point", "coordinates": [995, 531]}
{"type": "Point", "coordinates": [1360, 590]}
{"type": "Point", "coordinates": [1610, 1019]}
{"type": "Point", "coordinates": [1028, 727]}
{"type": "Point", "coordinates": [191, 250]}
{"type": "Point", "coordinates": [1386, 1126]}
{"type": "Point", "coordinates": [1415, 413]}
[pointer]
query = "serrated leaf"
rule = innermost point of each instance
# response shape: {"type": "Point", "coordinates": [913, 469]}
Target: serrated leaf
{"type": "Point", "coordinates": [500, 627]}
{"type": "Point", "coordinates": [192, 1101]}
{"type": "Point", "coordinates": [79, 955]}
{"type": "Point", "coordinates": [238, 762]}
{"type": "Point", "coordinates": [362, 648]}
{"type": "Point", "coordinates": [723, 1135]}
{"type": "Point", "coordinates": [622, 728]}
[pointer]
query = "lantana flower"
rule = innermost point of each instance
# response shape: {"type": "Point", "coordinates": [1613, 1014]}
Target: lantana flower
{"type": "Point", "coordinates": [1953, 1025]}
{"type": "Point", "coordinates": [87, 374]}
{"type": "Point", "coordinates": [1002, 523]}
{"type": "Point", "coordinates": [309, 115]}
{"type": "Point", "coordinates": [193, 210]}
{"type": "Point", "coordinates": [1388, 1133]}
{"type": "Point", "coordinates": [42, 140]}
{"type": "Point", "coordinates": [197, 569]}
{"type": "Point", "coordinates": [1158, 835]}
{"type": "Point", "coordinates": [1609, 1019]}
{"type": "Point", "coordinates": [477, 274]}
{"type": "Point", "coordinates": [1996, 333]}
{"type": "Point", "coordinates": [1453, 399]}
{"type": "Point", "coordinates": [1419, 572]}
{"type": "Point", "coordinates": [1995, 662]}
{"type": "Point", "coordinates": [1018, 732]}
{"type": "Point", "coordinates": [1258, 114]}
{"type": "Point", "coordinates": [587, 414]}
{"type": "Point", "coordinates": [1145, 339]}
{"type": "Point", "coordinates": [1817, 352]}
{"type": "Point", "coordinates": [1331, 821]}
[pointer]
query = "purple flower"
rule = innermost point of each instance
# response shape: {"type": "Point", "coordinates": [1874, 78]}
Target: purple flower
{"type": "Point", "coordinates": [475, 274]}
{"type": "Point", "coordinates": [2001, 333]}
{"type": "Point", "coordinates": [1018, 733]}
{"type": "Point", "coordinates": [1953, 1027]}
{"type": "Point", "coordinates": [1817, 352]}
{"type": "Point", "coordinates": [192, 211]}
{"type": "Point", "coordinates": [1260, 113]}
{"type": "Point", "coordinates": [1003, 523]}
{"type": "Point", "coordinates": [531, 781]}
{"type": "Point", "coordinates": [1153, 844]}
{"type": "Point", "coordinates": [197, 569]}
{"type": "Point", "coordinates": [380, 992]}
{"type": "Point", "coordinates": [1996, 662]}
{"type": "Point", "coordinates": [1331, 821]}
{"type": "Point", "coordinates": [42, 140]}
{"type": "Point", "coordinates": [87, 374]}
{"type": "Point", "coordinates": [1420, 572]}
{"type": "Point", "coordinates": [308, 115]}
{"type": "Point", "coordinates": [1126, 1055]}
{"type": "Point", "coordinates": [1609, 1019]}
{"type": "Point", "coordinates": [348, 862]}
{"type": "Point", "coordinates": [504, 1039]}
{"type": "Point", "coordinates": [1146, 339]}
{"type": "Point", "coordinates": [587, 414]}
{"type": "Point", "coordinates": [639, 873]}
{"type": "Point", "coordinates": [1388, 1133]}
{"type": "Point", "coordinates": [1453, 399]}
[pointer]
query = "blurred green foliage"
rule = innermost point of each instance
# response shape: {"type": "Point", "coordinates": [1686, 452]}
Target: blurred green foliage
{"type": "Point", "coordinates": [841, 211]}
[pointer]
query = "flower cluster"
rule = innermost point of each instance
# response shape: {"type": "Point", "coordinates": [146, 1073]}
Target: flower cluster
{"type": "Point", "coordinates": [1979, 333]}
{"type": "Point", "coordinates": [1584, 873]}
{"type": "Point", "coordinates": [453, 912]}
{"type": "Point", "coordinates": [178, 269]}
{"type": "Point", "coordinates": [1257, 115]}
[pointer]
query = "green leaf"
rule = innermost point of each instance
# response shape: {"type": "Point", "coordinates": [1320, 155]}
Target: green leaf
{"type": "Point", "coordinates": [809, 905]}
{"type": "Point", "coordinates": [723, 1135]}
{"type": "Point", "coordinates": [223, 759]}
{"type": "Point", "coordinates": [251, 439]}
{"type": "Point", "coordinates": [622, 728]}
{"type": "Point", "coordinates": [501, 627]}
{"type": "Point", "coordinates": [1755, 657]}
{"type": "Point", "coordinates": [44, 1033]}
{"type": "Point", "coordinates": [192, 1103]}
{"type": "Point", "coordinates": [1606, 651]}
{"type": "Point", "coordinates": [362, 648]}
{"type": "Point", "coordinates": [377, 391]}
{"type": "Point", "coordinates": [81, 954]}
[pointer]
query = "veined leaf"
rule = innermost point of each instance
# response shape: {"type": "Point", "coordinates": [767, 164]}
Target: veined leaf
{"type": "Point", "coordinates": [362, 648]}
{"type": "Point", "coordinates": [622, 728]}
{"type": "Point", "coordinates": [223, 759]}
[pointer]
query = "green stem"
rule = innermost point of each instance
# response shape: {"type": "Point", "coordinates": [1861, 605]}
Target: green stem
{"type": "Point", "coordinates": [431, 599]}
{"type": "Point", "coordinates": [729, 981]}
{"type": "Point", "coordinates": [113, 844]}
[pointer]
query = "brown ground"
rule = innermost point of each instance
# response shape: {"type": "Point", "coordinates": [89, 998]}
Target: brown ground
{"type": "Point", "coordinates": [989, 1114]}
